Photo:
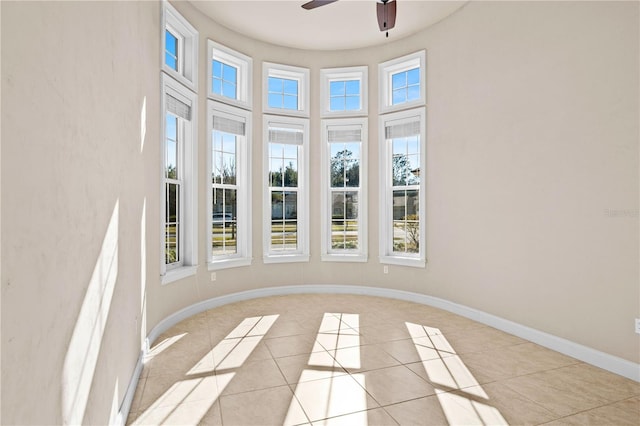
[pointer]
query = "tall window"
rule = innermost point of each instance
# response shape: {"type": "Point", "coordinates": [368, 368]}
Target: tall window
{"type": "Point", "coordinates": [179, 189]}
{"type": "Point", "coordinates": [180, 46]}
{"type": "Point", "coordinates": [286, 200]}
{"type": "Point", "coordinates": [229, 75]}
{"type": "Point", "coordinates": [230, 197]}
{"type": "Point", "coordinates": [402, 154]}
{"type": "Point", "coordinates": [173, 185]}
{"type": "Point", "coordinates": [402, 204]}
{"type": "Point", "coordinates": [286, 90]}
{"type": "Point", "coordinates": [344, 212]}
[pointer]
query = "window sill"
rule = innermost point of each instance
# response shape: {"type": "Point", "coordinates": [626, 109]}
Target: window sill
{"type": "Point", "coordinates": [178, 274]}
{"type": "Point", "coordinates": [344, 257]}
{"type": "Point", "coordinates": [414, 262]}
{"type": "Point", "coordinates": [286, 258]}
{"type": "Point", "coordinates": [229, 263]}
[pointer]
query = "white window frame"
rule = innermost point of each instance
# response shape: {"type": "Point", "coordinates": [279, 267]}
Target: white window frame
{"type": "Point", "coordinates": [243, 256]}
{"type": "Point", "coordinates": [302, 253]}
{"type": "Point", "coordinates": [301, 75]}
{"type": "Point", "coordinates": [327, 254]}
{"type": "Point", "coordinates": [387, 69]}
{"type": "Point", "coordinates": [387, 255]}
{"type": "Point", "coordinates": [327, 75]}
{"type": "Point", "coordinates": [244, 65]}
{"type": "Point", "coordinates": [189, 196]}
{"type": "Point", "coordinates": [187, 72]}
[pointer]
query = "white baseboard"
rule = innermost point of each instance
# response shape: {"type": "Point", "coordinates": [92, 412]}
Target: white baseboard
{"type": "Point", "coordinates": [125, 407]}
{"type": "Point", "coordinates": [586, 354]}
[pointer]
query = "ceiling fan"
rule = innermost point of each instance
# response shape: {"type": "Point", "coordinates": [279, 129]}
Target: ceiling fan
{"type": "Point", "coordinates": [386, 11]}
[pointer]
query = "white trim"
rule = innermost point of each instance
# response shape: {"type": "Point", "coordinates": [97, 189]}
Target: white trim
{"type": "Point", "coordinates": [290, 72]}
{"type": "Point", "coordinates": [242, 257]}
{"type": "Point", "coordinates": [347, 73]}
{"type": "Point", "coordinates": [190, 181]}
{"type": "Point", "coordinates": [583, 353]}
{"type": "Point", "coordinates": [125, 407]}
{"type": "Point", "coordinates": [178, 273]}
{"type": "Point", "coordinates": [361, 254]}
{"type": "Point", "coordinates": [244, 65]}
{"type": "Point", "coordinates": [393, 66]}
{"type": "Point", "coordinates": [386, 199]}
{"type": "Point", "coordinates": [302, 253]}
{"type": "Point", "coordinates": [187, 72]}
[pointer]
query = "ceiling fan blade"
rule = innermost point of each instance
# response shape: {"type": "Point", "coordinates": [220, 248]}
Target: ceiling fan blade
{"type": "Point", "coordinates": [386, 15]}
{"type": "Point", "coordinates": [316, 3]}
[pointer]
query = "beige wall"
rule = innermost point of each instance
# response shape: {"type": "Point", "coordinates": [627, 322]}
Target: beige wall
{"type": "Point", "coordinates": [532, 184]}
{"type": "Point", "coordinates": [74, 182]}
{"type": "Point", "coordinates": [532, 137]}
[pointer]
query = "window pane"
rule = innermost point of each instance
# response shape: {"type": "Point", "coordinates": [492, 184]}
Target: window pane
{"type": "Point", "coordinates": [275, 172]}
{"type": "Point", "coordinates": [352, 103]}
{"type": "Point", "coordinates": [337, 104]}
{"type": "Point", "coordinates": [229, 73]}
{"type": "Point", "coordinates": [224, 224]}
{"type": "Point", "coordinates": [413, 76]}
{"type": "Point", "coordinates": [275, 85]}
{"type": "Point", "coordinates": [172, 225]}
{"type": "Point", "coordinates": [217, 86]}
{"type": "Point", "coordinates": [290, 102]}
{"type": "Point", "coordinates": [290, 152]}
{"type": "Point", "coordinates": [284, 212]}
{"type": "Point", "coordinates": [170, 61]}
{"type": "Point", "coordinates": [353, 87]}
{"type": "Point", "coordinates": [336, 88]}
{"type": "Point", "coordinates": [171, 50]}
{"type": "Point", "coordinates": [290, 87]}
{"type": "Point", "coordinates": [229, 168]}
{"type": "Point", "coordinates": [344, 223]}
{"type": "Point", "coordinates": [291, 174]}
{"type": "Point", "coordinates": [217, 69]}
{"type": "Point", "coordinates": [345, 165]}
{"type": "Point", "coordinates": [399, 96]}
{"type": "Point", "coordinates": [406, 225]}
{"type": "Point", "coordinates": [275, 100]}
{"type": "Point", "coordinates": [398, 80]}
{"type": "Point", "coordinates": [413, 92]}
{"type": "Point", "coordinates": [229, 90]}
{"type": "Point", "coordinates": [171, 146]}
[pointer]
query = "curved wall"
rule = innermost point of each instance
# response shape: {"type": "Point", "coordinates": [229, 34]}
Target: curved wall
{"type": "Point", "coordinates": [532, 170]}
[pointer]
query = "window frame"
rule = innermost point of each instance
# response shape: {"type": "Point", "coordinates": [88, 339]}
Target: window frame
{"type": "Point", "coordinates": [289, 72]}
{"type": "Point", "coordinates": [327, 75]}
{"type": "Point", "coordinates": [189, 198]}
{"type": "Point", "coordinates": [302, 253]}
{"type": "Point", "coordinates": [244, 65]}
{"type": "Point", "coordinates": [327, 254]}
{"type": "Point", "coordinates": [187, 72]}
{"type": "Point", "coordinates": [243, 255]}
{"type": "Point", "coordinates": [387, 255]}
{"type": "Point", "coordinates": [387, 69]}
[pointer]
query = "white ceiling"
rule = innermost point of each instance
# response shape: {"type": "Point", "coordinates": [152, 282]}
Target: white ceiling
{"type": "Point", "coordinates": [346, 24]}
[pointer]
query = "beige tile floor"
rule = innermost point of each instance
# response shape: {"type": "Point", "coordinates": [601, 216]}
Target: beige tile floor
{"type": "Point", "coordinates": [358, 360]}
